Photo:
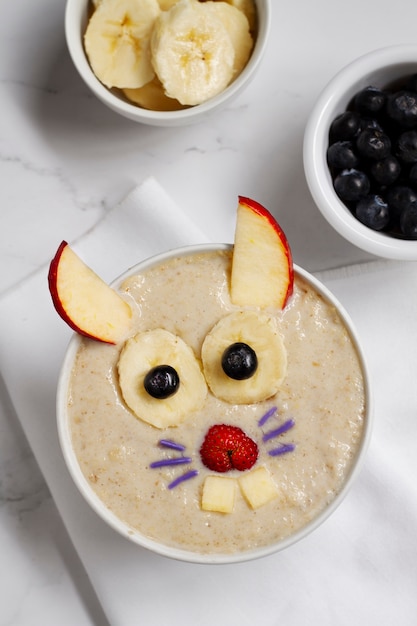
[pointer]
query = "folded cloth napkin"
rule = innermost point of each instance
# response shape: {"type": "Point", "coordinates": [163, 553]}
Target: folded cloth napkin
{"type": "Point", "coordinates": [359, 567]}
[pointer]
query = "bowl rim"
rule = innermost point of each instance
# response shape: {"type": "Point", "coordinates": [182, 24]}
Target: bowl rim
{"type": "Point", "coordinates": [178, 553]}
{"type": "Point", "coordinates": [331, 101]}
{"type": "Point", "coordinates": [74, 24]}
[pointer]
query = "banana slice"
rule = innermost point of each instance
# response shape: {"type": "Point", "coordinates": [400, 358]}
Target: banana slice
{"type": "Point", "coordinates": [165, 5]}
{"type": "Point", "coordinates": [117, 42]}
{"type": "Point", "coordinates": [192, 52]}
{"type": "Point", "coordinates": [257, 331]}
{"type": "Point", "coordinates": [139, 356]}
{"type": "Point", "coordinates": [248, 8]}
{"type": "Point", "coordinates": [237, 26]}
{"type": "Point", "coordinates": [152, 96]}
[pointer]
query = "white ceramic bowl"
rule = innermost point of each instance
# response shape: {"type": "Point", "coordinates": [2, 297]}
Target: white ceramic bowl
{"type": "Point", "coordinates": [378, 68]}
{"type": "Point", "coordinates": [184, 555]}
{"type": "Point", "coordinates": [75, 25]}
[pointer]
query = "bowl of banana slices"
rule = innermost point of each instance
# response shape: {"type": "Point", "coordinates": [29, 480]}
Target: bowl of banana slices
{"type": "Point", "coordinates": [166, 62]}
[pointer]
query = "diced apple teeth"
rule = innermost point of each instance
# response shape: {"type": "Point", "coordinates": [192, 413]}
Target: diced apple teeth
{"type": "Point", "coordinates": [262, 268]}
{"type": "Point", "coordinates": [258, 487]}
{"type": "Point", "coordinates": [258, 331]}
{"type": "Point", "coordinates": [218, 494]}
{"type": "Point", "coordinates": [84, 301]}
{"type": "Point", "coordinates": [142, 353]}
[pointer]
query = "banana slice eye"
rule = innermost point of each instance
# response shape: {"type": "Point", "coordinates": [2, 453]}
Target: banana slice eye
{"type": "Point", "coordinates": [239, 361]}
{"type": "Point", "coordinates": [141, 366]}
{"type": "Point", "coordinates": [258, 333]}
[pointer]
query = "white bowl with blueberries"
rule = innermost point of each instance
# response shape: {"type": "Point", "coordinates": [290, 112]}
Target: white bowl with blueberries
{"type": "Point", "coordinates": [360, 152]}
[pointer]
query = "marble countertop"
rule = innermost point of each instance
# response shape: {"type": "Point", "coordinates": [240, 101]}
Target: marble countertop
{"type": "Point", "coordinates": [65, 160]}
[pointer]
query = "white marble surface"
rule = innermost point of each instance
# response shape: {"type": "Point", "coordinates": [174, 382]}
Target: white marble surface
{"type": "Point", "coordinates": [65, 159]}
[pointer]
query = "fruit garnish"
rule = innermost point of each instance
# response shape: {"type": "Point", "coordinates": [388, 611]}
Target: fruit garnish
{"type": "Point", "coordinates": [218, 494]}
{"type": "Point", "coordinates": [141, 354]}
{"type": "Point", "coordinates": [226, 447]}
{"type": "Point", "coordinates": [258, 487]}
{"type": "Point", "coordinates": [262, 268]}
{"type": "Point", "coordinates": [258, 331]}
{"type": "Point", "coordinates": [161, 381]}
{"type": "Point", "coordinates": [84, 301]}
{"type": "Point", "coordinates": [239, 361]}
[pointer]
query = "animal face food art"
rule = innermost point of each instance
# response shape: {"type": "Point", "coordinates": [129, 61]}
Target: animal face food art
{"type": "Point", "coordinates": [216, 402]}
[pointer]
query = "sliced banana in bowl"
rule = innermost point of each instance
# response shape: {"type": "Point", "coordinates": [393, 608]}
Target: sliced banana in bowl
{"type": "Point", "coordinates": [166, 62]}
{"type": "Point", "coordinates": [198, 48]}
{"type": "Point", "coordinates": [192, 52]}
{"type": "Point", "coordinates": [117, 42]}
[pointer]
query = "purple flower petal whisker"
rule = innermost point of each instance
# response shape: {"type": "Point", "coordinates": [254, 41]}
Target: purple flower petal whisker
{"type": "Point", "coordinates": [179, 460]}
{"type": "Point", "coordinates": [167, 443]}
{"type": "Point", "coordinates": [267, 415]}
{"type": "Point", "coordinates": [278, 431]}
{"type": "Point", "coordinates": [282, 449]}
{"type": "Point", "coordinates": [182, 478]}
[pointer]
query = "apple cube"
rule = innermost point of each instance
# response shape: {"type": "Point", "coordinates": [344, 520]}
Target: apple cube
{"type": "Point", "coordinates": [84, 301]}
{"type": "Point", "coordinates": [258, 488]}
{"type": "Point", "coordinates": [218, 494]}
{"type": "Point", "coordinates": [262, 267]}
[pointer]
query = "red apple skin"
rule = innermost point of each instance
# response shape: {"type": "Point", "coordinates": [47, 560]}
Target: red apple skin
{"type": "Point", "coordinates": [53, 290]}
{"type": "Point", "coordinates": [263, 212]}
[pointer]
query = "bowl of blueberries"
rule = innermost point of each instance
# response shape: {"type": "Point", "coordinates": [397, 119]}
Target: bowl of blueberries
{"type": "Point", "coordinates": [360, 152]}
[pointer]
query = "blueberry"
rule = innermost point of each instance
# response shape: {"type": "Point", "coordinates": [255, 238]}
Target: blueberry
{"type": "Point", "coordinates": [369, 100]}
{"type": "Point", "coordinates": [373, 211]}
{"type": "Point", "coordinates": [386, 171]}
{"type": "Point", "coordinates": [399, 199]}
{"type": "Point", "coordinates": [412, 175]}
{"type": "Point", "coordinates": [371, 123]}
{"type": "Point", "coordinates": [239, 361]}
{"type": "Point", "coordinates": [351, 184]}
{"type": "Point", "coordinates": [344, 126]}
{"type": "Point", "coordinates": [411, 84]}
{"type": "Point", "coordinates": [373, 144]}
{"type": "Point", "coordinates": [161, 381]}
{"type": "Point", "coordinates": [408, 222]}
{"type": "Point", "coordinates": [402, 108]}
{"type": "Point", "coordinates": [407, 146]}
{"type": "Point", "coordinates": [341, 155]}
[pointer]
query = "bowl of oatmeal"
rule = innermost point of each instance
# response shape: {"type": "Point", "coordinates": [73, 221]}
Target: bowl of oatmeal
{"type": "Point", "coordinates": [152, 484]}
{"type": "Point", "coordinates": [167, 62]}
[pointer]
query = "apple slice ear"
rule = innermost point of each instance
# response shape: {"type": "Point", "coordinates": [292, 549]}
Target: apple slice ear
{"type": "Point", "coordinates": [84, 301]}
{"type": "Point", "coordinates": [262, 267]}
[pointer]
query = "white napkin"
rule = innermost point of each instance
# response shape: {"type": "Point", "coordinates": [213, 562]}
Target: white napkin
{"type": "Point", "coordinates": [359, 567]}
